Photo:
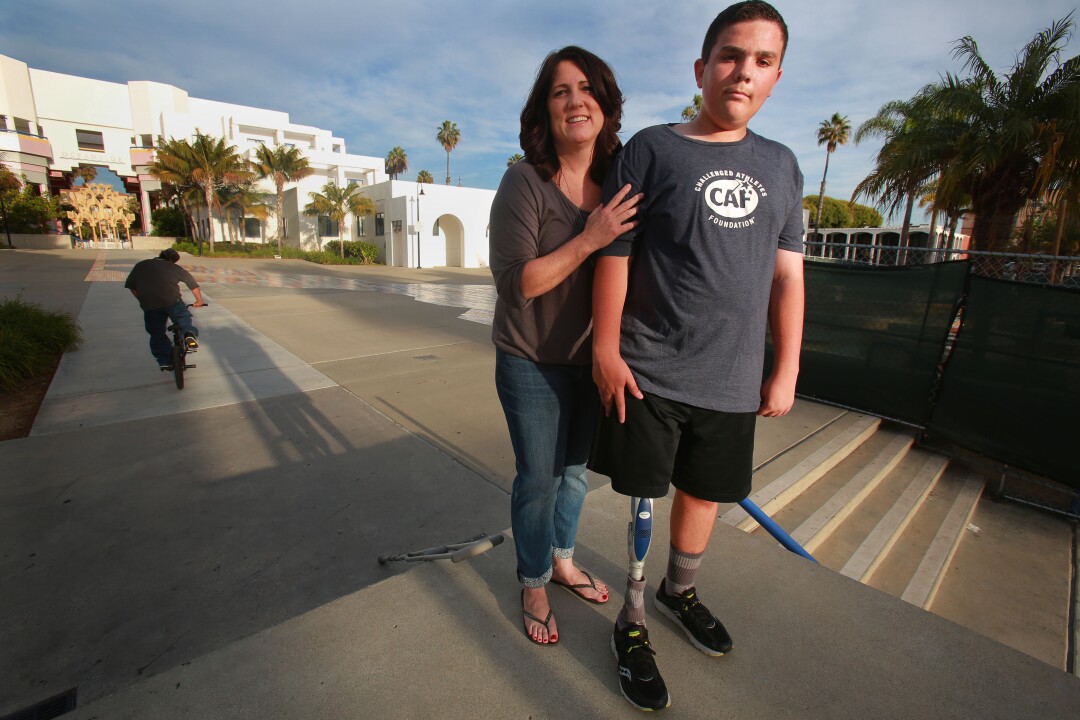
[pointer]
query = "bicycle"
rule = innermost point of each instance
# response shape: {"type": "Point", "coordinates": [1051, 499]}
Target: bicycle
{"type": "Point", "coordinates": [179, 352]}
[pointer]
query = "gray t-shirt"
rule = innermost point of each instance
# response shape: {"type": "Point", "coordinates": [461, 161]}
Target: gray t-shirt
{"type": "Point", "coordinates": [531, 218]}
{"type": "Point", "coordinates": [156, 283]}
{"type": "Point", "coordinates": [713, 216]}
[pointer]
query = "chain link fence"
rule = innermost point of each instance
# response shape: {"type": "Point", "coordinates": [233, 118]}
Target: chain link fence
{"type": "Point", "coordinates": [1048, 271]}
{"type": "Point", "coordinates": [1055, 270]}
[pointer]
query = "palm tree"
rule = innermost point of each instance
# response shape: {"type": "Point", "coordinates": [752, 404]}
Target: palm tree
{"type": "Point", "coordinates": [918, 143]}
{"type": "Point", "coordinates": [424, 177]}
{"type": "Point", "coordinates": [88, 173]}
{"type": "Point", "coordinates": [396, 162]}
{"type": "Point", "coordinates": [214, 162]}
{"type": "Point", "coordinates": [1012, 141]}
{"type": "Point", "coordinates": [691, 111]}
{"type": "Point", "coordinates": [337, 202]}
{"type": "Point", "coordinates": [246, 200]}
{"type": "Point", "coordinates": [515, 158]}
{"type": "Point", "coordinates": [173, 165]}
{"type": "Point", "coordinates": [449, 136]}
{"type": "Point", "coordinates": [284, 164]}
{"type": "Point", "coordinates": [831, 133]}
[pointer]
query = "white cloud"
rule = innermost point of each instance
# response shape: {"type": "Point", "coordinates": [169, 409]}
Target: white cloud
{"type": "Point", "coordinates": [387, 73]}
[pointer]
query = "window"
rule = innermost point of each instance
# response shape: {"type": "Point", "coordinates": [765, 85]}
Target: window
{"type": "Point", "coordinates": [397, 226]}
{"type": "Point", "coordinates": [3, 122]}
{"type": "Point", "coordinates": [22, 126]}
{"type": "Point", "coordinates": [252, 228]}
{"type": "Point", "coordinates": [361, 231]}
{"type": "Point", "coordinates": [90, 140]}
{"type": "Point", "coordinates": [380, 228]}
{"type": "Point", "coordinates": [355, 181]}
{"type": "Point", "coordinates": [327, 227]}
{"type": "Point", "coordinates": [147, 141]}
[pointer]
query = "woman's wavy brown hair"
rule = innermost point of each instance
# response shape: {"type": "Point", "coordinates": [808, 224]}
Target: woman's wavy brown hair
{"type": "Point", "coordinates": [535, 135]}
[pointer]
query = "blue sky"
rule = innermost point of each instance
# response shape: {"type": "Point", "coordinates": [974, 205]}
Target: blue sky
{"type": "Point", "coordinates": [386, 73]}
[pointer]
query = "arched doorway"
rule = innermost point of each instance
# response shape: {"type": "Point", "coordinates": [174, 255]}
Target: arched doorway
{"type": "Point", "coordinates": [449, 249]}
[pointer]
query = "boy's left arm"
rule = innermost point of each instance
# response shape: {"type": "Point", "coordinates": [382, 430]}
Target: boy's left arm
{"type": "Point", "coordinates": [786, 304]}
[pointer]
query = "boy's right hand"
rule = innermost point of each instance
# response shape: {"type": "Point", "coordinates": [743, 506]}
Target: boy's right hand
{"type": "Point", "coordinates": [613, 379]}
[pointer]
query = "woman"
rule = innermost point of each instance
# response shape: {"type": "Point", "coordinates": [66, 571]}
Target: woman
{"type": "Point", "coordinates": [546, 221]}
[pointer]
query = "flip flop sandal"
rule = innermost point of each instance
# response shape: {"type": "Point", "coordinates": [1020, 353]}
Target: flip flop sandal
{"type": "Point", "coordinates": [580, 586]}
{"type": "Point", "coordinates": [543, 622]}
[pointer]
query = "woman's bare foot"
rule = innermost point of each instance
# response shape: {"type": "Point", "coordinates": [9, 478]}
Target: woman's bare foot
{"type": "Point", "coordinates": [564, 572]}
{"type": "Point", "coordinates": [534, 601]}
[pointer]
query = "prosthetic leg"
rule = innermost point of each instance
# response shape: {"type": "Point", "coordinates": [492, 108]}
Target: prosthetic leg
{"type": "Point", "coordinates": [639, 535]}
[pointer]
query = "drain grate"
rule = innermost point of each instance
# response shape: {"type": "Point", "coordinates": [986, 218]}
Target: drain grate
{"type": "Point", "coordinates": [46, 709]}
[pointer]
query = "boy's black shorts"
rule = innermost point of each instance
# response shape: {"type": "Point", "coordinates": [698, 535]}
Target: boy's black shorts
{"type": "Point", "coordinates": [707, 454]}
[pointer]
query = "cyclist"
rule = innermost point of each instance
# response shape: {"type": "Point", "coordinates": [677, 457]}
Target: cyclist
{"type": "Point", "coordinates": [155, 284]}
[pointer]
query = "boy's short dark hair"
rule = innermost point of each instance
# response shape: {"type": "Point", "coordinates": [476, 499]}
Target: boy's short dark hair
{"type": "Point", "coordinates": [743, 12]}
{"type": "Point", "coordinates": [170, 255]}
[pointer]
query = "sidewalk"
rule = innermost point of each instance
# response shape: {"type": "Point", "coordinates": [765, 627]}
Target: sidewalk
{"type": "Point", "coordinates": [211, 552]}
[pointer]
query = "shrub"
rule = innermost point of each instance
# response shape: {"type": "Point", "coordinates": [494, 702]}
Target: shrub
{"type": "Point", "coordinates": [838, 213]}
{"type": "Point", "coordinates": [365, 252]}
{"type": "Point", "coordinates": [168, 222]}
{"type": "Point", "coordinates": [356, 253]}
{"type": "Point", "coordinates": [30, 339]}
{"type": "Point", "coordinates": [29, 213]}
{"type": "Point", "coordinates": [187, 246]}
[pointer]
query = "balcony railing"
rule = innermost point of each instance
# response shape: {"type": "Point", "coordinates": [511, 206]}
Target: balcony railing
{"type": "Point", "coordinates": [1035, 269]}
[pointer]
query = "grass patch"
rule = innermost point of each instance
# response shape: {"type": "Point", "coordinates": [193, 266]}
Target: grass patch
{"type": "Point", "coordinates": [30, 340]}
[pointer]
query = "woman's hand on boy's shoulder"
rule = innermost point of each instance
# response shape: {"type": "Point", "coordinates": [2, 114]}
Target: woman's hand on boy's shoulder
{"type": "Point", "coordinates": [610, 220]}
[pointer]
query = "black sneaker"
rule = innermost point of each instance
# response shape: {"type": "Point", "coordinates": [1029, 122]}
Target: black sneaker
{"type": "Point", "coordinates": [191, 342]}
{"type": "Point", "coordinates": [639, 679]}
{"type": "Point", "coordinates": [706, 633]}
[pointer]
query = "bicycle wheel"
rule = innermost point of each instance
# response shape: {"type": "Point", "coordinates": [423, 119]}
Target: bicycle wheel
{"type": "Point", "coordinates": [178, 365]}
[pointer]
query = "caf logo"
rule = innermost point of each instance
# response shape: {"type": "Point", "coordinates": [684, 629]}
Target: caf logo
{"type": "Point", "coordinates": [731, 198]}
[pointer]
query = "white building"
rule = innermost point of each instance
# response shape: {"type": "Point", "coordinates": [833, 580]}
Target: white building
{"type": "Point", "coordinates": [50, 124]}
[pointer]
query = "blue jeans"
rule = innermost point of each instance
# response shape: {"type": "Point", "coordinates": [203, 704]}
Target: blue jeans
{"type": "Point", "coordinates": [156, 322]}
{"type": "Point", "coordinates": [551, 412]}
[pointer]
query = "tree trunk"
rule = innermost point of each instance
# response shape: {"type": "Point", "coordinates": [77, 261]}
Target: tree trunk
{"type": "Point", "coordinates": [7, 230]}
{"type": "Point", "coordinates": [905, 230]}
{"type": "Point", "coordinates": [820, 200]}
{"type": "Point", "coordinates": [447, 167]}
{"type": "Point", "coordinates": [994, 221]}
{"type": "Point", "coordinates": [209, 192]}
{"type": "Point", "coordinates": [933, 241]}
{"type": "Point", "coordinates": [280, 214]}
{"type": "Point", "coordinates": [1059, 230]}
{"type": "Point", "coordinates": [1028, 235]}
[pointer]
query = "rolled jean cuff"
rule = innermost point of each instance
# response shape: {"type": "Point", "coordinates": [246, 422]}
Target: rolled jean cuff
{"type": "Point", "coordinates": [535, 582]}
{"type": "Point", "coordinates": [562, 553]}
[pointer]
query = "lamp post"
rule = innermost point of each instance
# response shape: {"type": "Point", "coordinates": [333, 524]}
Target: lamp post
{"type": "Point", "coordinates": [419, 194]}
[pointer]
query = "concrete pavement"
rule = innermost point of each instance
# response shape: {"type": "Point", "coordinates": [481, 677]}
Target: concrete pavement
{"type": "Point", "coordinates": [211, 552]}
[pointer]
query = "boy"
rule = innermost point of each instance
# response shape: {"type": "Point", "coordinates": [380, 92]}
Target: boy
{"type": "Point", "coordinates": [717, 255]}
{"type": "Point", "coordinates": [155, 283]}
